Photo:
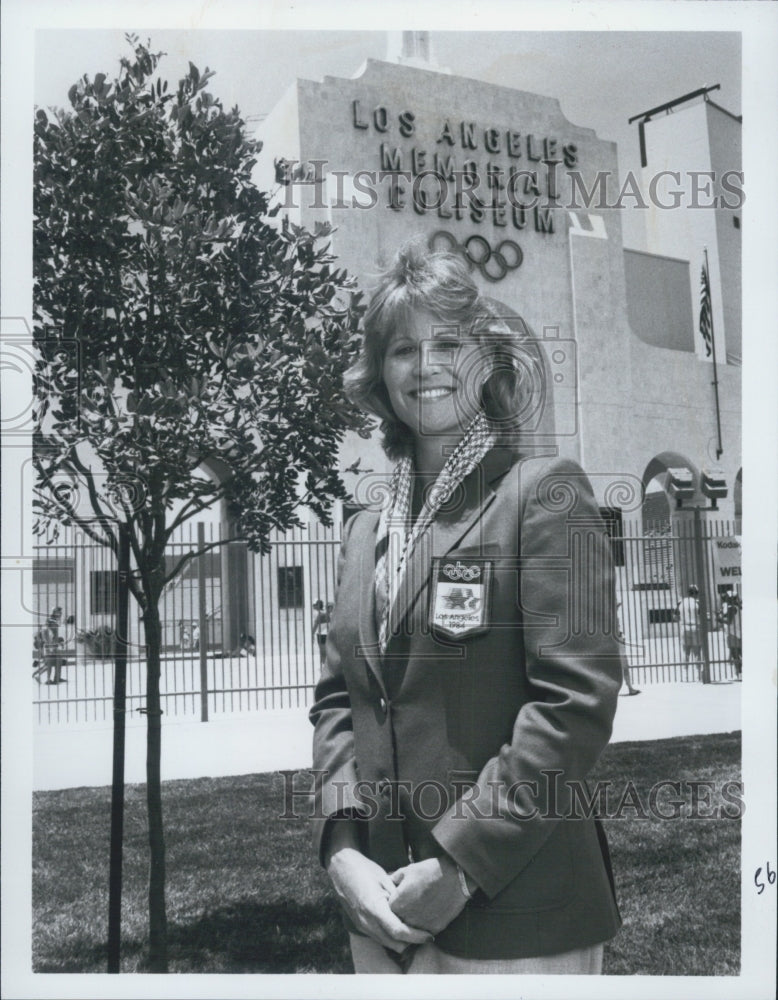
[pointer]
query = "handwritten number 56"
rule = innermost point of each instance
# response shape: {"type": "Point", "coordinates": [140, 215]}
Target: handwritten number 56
{"type": "Point", "coordinates": [758, 881]}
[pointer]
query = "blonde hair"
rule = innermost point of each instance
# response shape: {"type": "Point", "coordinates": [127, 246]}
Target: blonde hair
{"type": "Point", "coordinates": [440, 283]}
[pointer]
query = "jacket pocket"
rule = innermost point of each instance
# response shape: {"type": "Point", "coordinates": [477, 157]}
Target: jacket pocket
{"type": "Point", "coordinates": [546, 883]}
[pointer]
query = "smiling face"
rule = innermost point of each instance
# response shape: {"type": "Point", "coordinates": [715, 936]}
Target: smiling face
{"type": "Point", "coordinates": [432, 377]}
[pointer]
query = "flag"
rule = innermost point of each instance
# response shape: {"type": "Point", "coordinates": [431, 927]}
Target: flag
{"type": "Point", "coordinates": [706, 313]}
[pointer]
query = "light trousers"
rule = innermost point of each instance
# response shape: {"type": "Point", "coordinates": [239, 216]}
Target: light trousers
{"type": "Point", "coordinates": [370, 957]}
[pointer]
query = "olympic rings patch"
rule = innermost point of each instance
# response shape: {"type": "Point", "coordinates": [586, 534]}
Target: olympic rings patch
{"type": "Point", "coordinates": [494, 264]}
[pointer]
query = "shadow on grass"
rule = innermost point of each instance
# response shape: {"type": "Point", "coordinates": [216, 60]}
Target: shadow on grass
{"type": "Point", "coordinates": [279, 937]}
{"type": "Point", "coordinates": [244, 937]}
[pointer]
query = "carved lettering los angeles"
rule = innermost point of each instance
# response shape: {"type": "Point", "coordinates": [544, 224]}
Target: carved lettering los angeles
{"type": "Point", "coordinates": [463, 170]}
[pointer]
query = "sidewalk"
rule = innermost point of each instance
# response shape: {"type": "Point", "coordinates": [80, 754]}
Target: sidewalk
{"type": "Point", "coordinates": [76, 755]}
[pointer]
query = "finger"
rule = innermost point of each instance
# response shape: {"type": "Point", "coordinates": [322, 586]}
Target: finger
{"type": "Point", "coordinates": [387, 942]}
{"type": "Point", "coordinates": [397, 876]}
{"type": "Point", "coordinates": [400, 908]}
{"type": "Point", "coordinates": [399, 946]}
{"type": "Point", "coordinates": [389, 889]}
{"type": "Point", "coordinates": [401, 932]}
{"type": "Point", "coordinates": [378, 930]}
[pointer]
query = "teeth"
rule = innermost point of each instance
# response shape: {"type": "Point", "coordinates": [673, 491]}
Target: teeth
{"type": "Point", "coordinates": [432, 393]}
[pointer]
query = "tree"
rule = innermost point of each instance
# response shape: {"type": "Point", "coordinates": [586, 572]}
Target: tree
{"type": "Point", "coordinates": [177, 327]}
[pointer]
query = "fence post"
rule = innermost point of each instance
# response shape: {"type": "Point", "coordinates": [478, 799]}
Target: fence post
{"type": "Point", "coordinates": [702, 576]}
{"type": "Point", "coordinates": [121, 639]}
{"type": "Point", "coordinates": [203, 621]}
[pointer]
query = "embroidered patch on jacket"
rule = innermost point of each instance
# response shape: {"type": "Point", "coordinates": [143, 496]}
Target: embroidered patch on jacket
{"type": "Point", "coordinates": [460, 598]}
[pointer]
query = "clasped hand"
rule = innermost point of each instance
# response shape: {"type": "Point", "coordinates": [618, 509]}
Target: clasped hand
{"type": "Point", "coordinates": [367, 892]}
{"type": "Point", "coordinates": [428, 894]}
{"type": "Point", "coordinates": [407, 907]}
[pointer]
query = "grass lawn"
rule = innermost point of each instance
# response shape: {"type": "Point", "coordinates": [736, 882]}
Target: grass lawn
{"type": "Point", "coordinates": [244, 892]}
{"type": "Point", "coordinates": [678, 881]}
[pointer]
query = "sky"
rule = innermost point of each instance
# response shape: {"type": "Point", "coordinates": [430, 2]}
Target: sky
{"type": "Point", "coordinates": [601, 79]}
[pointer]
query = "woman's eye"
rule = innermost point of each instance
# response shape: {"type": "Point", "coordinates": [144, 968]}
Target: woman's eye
{"type": "Point", "coordinates": [444, 350]}
{"type": "Point", "coordinates": [403, 350]}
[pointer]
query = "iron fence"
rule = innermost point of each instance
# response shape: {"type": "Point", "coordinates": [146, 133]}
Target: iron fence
{"type": "Point", "coordinates": [241, 622]}
{"type": "Point", "coordinates": [238, 628]}
{"type": "Point", "coordinates": [656, 564]}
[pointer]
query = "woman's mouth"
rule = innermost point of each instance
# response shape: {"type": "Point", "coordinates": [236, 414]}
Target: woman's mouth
{"type": "Point", "coordinates": [437, 393]}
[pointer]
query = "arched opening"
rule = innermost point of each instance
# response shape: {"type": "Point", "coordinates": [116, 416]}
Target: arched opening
{"type": "Point", "coordinates": [666, 524]}
{"type": "Point", "coordinates": [656, 480]}
{"type": "Point", "coordinates": [655, 509]}
{"type": "Point", "coordinates": [656, 560]}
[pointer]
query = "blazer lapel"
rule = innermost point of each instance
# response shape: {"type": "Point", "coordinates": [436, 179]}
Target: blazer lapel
{"type": "Point", "coordinates": [446, 531]}
{"type": "Point", "coordinates": [368, 633]}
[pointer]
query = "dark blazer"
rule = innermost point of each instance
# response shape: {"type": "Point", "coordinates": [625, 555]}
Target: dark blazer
{"type": "Point", "coordinates": [473, 747]}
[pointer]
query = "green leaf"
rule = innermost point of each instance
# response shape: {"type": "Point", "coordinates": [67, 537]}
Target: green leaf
{"type": "Point", "coordinates": [201, 329]}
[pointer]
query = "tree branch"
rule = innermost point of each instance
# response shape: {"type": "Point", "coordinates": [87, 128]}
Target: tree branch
{"type": "Point", "coordinates": [201, 552]}
{"type": "Point", "coordinates": [109, 541]}
{"type": "Point", "coordinates": [198, 506]}
{"type": "Point", "coordinates": [93, 497]}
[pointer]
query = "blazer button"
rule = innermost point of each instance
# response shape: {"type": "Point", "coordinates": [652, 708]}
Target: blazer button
{"type": "Point", "coordinates": [383, 705]}
{"type": "Point", "coordinates": [385, 787]}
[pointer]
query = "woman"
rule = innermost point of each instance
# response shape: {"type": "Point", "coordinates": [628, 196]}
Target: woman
{"type": "Point", "coordinates": [688, 612]}
{"type": "Point", "coordinates": [321, 621]}
{"type": "Point", "coordinates": [472, 666]}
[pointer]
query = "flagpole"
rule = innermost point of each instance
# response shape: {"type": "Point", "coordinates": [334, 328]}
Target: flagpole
{"type": "Point", "coordinates": [719, 449]}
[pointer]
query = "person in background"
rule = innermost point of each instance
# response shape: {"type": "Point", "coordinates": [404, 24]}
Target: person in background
{"type": "Point", "coordinates": [41, 658]}
{"type": "Point", "coordinates": [321, 623]}
{"type": "Point", "coordinates": [246, 644]}
{"type": "Point", "coordinates": [625, 668]}
{"type": "Point", "coordinates": [688, 611]}
{"type": "Point", "coordinates": [733, 610]}
{"type": "Point", "coordinates": [47, 649]}
{"type": "Point", "coordinates": [184, 635]}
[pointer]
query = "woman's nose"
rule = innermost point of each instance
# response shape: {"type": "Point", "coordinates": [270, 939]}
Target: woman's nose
{"type": "Point", "coordinates": [426, 366]}
{"type": "Point", "coordinates": [432, 357]}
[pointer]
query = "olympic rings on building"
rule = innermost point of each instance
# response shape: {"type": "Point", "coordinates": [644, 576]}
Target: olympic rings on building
{"type": "Point", "coordinates": [449, 242]}
{"type": "Point", "coordinates": [494, 264]}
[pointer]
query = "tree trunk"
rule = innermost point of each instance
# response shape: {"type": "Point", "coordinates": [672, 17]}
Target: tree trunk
{"type": "Point", "coordinates": [157, 915]}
